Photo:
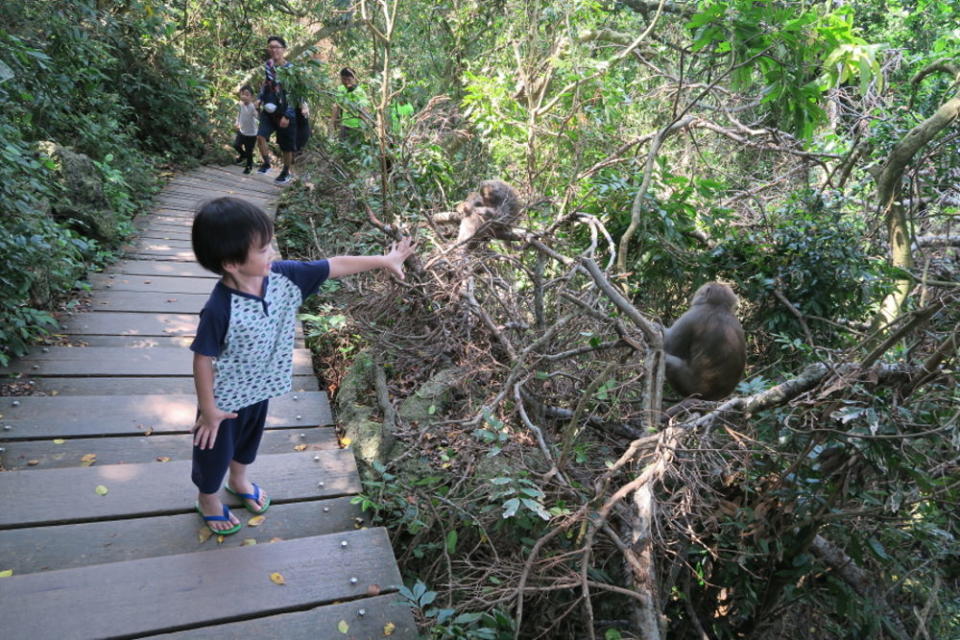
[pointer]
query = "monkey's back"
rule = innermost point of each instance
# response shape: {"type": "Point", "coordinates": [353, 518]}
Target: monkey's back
{"type": "Point", "coordinates": [710, 340]}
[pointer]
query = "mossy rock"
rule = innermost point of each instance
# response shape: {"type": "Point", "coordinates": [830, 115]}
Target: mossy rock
{"type": "Point", "coordinates": [83, 203]}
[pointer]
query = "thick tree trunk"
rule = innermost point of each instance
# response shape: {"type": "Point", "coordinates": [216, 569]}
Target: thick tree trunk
{"type": "Point", "coordinates": [889, 180]}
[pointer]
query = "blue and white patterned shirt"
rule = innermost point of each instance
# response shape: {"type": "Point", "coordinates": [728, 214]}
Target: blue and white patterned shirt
{"type": "Point", "coordinates": [251, 337]}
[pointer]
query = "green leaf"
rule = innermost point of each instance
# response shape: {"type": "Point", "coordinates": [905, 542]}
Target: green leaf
{"type": "Point", "coordinates": [510, 507]}
{"type": "Point", "coordinates": [343, 627]}
{"type": "Point", "coordinates": [101, 490]}
{"type": "Point", "coordinates": [452, 541]}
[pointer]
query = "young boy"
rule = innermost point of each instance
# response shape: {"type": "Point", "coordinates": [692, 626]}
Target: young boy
{"type": "Point", "coordinates": [246, 126]}
{"type": "Point", "coordinates": [243, 351]}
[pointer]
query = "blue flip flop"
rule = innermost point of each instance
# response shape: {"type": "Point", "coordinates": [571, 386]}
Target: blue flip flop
{"type": "Point", "coordinates": [224, 518]}
{"type": "Point", "coordinates": [255, 496]}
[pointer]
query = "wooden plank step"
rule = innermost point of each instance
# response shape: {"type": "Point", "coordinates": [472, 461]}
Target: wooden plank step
{"type": "Point", "coordinates": [37, 417]}
{"type": "Point", "coordinates": [131, 324]}
{"type": "Point", "coordinates": [119, 361]}
{"type": "Point", "coordinates": [379, 613]}
{"type": "Point", "coordinates": [160, 268]}
{"type": "Point", "coordinates": [153, 244]}
{"type": "Point", "coordinates": [135, 342]}
{"type": "Point", "coordinates": [235, 175]}
{"type": "Point", "coordinates": [160, 257]}
{"type": "Point", "coordinates": [33, 455]}
{"type": "Point", "coordinates": [155, 284]}
{"type": "Point", "coordinates": [37, 549]}
{"type": "Point", "coordinates": [159, 232]}
{"type": "Point", "coordinates": [148, 342]}
{"type": "Point", "coordinates": [137, 597]}
{"type": "Point", "coordinates": [143, 302]}
{"type": "Point", "coordinates": [63, 496]}
{"type": "Point", "coordinates": [120, 386]}
{"type": "Point", "coordinates": [232, 177]}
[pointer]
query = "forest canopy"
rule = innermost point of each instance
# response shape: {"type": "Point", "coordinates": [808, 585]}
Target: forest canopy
{"type": "Point", "coordinates": [508, 401]}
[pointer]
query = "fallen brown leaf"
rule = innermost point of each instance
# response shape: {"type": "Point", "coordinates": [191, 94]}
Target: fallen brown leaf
{"type": "Point", "coordinates": [299, 447]}
{"type": "Point", "coordinates": [373, 590]}
{"type": "Point", "coordinates": [32, 463]}
{"type": "Point", "coordinates": [277, 578]}
{"type": "Point", "coordinates": [256, 521]}
{"type": "Point", "coordinates": [389, 628]}
{"type": "Point", "coordinates": [163, 458]}
{"type": "Point", "coordinates": [248, 542]}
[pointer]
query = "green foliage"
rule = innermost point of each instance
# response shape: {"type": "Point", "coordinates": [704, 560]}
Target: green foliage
{"type": "Point", "coordinates": [101, 80]}
{"type": "Point", "coordinates": [447, 624]}
{"type": "Point", "coordinates": [810, 253]}
{"type": "Point", "coordinates": [795, 57]}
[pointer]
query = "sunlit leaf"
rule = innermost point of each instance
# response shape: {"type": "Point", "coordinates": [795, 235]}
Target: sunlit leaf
{"type": "Point", "coordinates": [163, 458]}
{"type": "Point", "coordinates": [256, 521]}
{"type": "Point", "coordinates": [204, 534]}
{"type": "Point", "coordinates": [248, 542]}
{"type": "Point", "coordinates": [343, 627]}
{"type": "Point", "coordinates": [6, 573]}
{"type": "Point", "coordinates": [299, 447]}
{"type": "Point", "coordinates": [389, 628]}
{"type": "Point", "coordinates": [58, 441]}
{"type": "Point", "coordinates": [277, 578]}
{"type": "Point", "coordinates": [101, 490]}
{"type": "Point", "coordinates": [32, 463]}
{"type": "Point", "coordinates": [88, 459]}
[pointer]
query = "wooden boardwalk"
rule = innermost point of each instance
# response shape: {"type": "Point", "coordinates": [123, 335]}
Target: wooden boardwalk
{"type": "Point", "coordinates": [97, 517]}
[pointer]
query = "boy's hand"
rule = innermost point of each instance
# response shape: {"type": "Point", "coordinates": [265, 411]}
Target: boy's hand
{"type": "Point", "coordinates": [205, 430]}
{"type": "Point", "coordinates": [399, 251]}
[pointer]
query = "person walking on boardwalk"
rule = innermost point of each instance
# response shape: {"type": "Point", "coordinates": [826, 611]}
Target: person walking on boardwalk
{"type": "Point", "coordinates": [278, 111]}
{"type": "Point", "coordinates": [351, 107]}
{"type": "Point", "coordinates": [243, 350]}
{"type": "Point", "coordinates": [246, 126]}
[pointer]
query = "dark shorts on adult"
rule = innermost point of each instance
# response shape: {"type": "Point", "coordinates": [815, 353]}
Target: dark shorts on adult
{"type": "Point", "coordinates": [286, 136]}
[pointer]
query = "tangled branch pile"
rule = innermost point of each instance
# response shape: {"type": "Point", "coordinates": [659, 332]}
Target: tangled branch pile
{"type": "Point", "coordinates": [550, 489]}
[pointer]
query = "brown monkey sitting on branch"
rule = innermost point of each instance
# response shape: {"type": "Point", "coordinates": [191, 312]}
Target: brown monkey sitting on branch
{"type": "Point", "coordinates": [705, 348]}
{"type": "Point", "coordinates": [486, 214]}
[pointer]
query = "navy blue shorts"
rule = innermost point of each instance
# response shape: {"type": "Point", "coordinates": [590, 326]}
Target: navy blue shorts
{"type": "Point", "coordinates": [286, 136]}
{"type": "Point", "coordinates": [237, 439]}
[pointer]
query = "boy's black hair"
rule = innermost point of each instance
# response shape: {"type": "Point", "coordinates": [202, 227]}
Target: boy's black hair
{"type": "Point", "coordinates": [246, 87]}
{"type": "Point", "coordinates": [224, 229]}
{"type": "Point", "coordinates": [283, 43]}
{"type": "Point", "coordinates": [347, 72]}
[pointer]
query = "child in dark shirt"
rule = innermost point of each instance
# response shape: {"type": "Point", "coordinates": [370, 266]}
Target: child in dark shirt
{"type": "Point", "coordinates": [243, 350]}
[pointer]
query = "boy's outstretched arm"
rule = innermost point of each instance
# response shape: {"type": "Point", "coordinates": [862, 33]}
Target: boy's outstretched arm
{"type": "Point", "coordinates": [392, 261]}
{"type": "Point", "coordinates": [208, 422]}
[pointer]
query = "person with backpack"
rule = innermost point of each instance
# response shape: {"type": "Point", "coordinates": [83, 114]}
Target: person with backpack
{"type": "Point", "coordinates": [278, 112]}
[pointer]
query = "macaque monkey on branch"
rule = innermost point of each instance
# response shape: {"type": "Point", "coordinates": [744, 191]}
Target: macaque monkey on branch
{"type": "Point", "coordinates": [488, 213]}
{"type": "Point", "coordinates": [705, 348]}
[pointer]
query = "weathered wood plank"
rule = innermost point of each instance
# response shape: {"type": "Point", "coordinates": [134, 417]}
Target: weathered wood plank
{"type": "Point", "coordinates": [159, 257]}
{"type": "Point", "coordinates": [155, 284]}
{"type": "Point", "coordinates": [36, 417]}
{"type": "Point", "coordinates": [132, 324]}
{"type": "Point", "coordinates": [44, 454]}
{"type": "Point", "coordinates": [93, 386]}
{"type": "Point", "coordinates": [37, 549]}
{"type": "Point", "coordinates": [143, 302]}
{"type": "Point", "coordinates": [249, 181]}
{"type": "Point", "coordinates": [153, 244]}
{"type": "Point", "coordinates": [135, 342]}
{"type": "Point", "coordinates": [118, 361]}
{"type": "Point", "coordinates": [128, 599]}
{"type": "Point", "coordinates": [236, 176]}
{"type": "Point", "coordinates": [386, 611]}
{"type": "Point", "coordinates": [62, 496]}
{"type": "Point", "coordinates": [160, 268]}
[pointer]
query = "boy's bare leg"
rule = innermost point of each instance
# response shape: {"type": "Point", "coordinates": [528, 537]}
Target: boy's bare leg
{"type": "Point", "coordinates": [210, 505]}
{"type": "Point", "coordinates": [288, 160]}
{"type": "Point", "coordinates": [238, 482]}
